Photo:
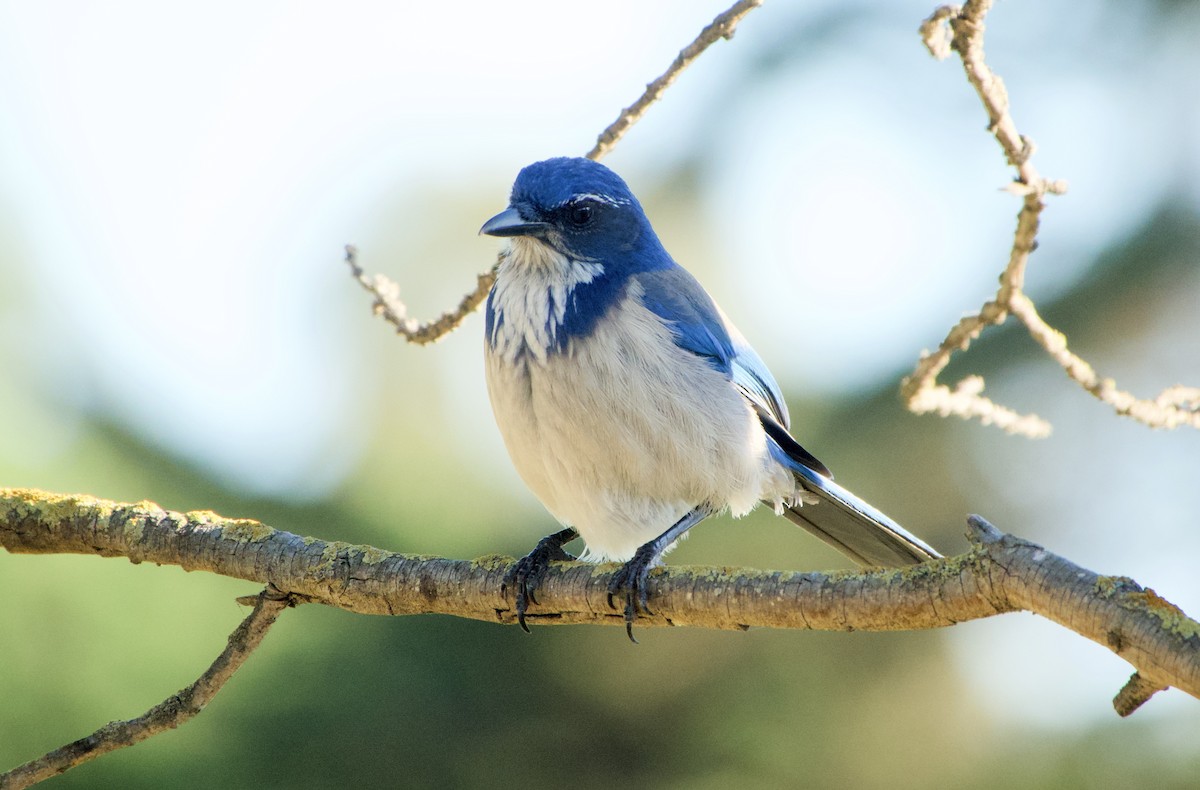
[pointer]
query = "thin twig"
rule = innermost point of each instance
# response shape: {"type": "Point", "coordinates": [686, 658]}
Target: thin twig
{"type": "Point", "coordinates": [923, 394]}
{"type": "Point", "coordinates": [960, 28]}
{"type": "Point", "coordinates": [168, 714]}
{"type": "Point", "coordinates": [936, 33]}
{"type": "Point", "coordinates": [723, 26]}
{"type": "Point", "coordinates": [921, 391]}
{"type": "Point", "coordinates": [387, 302]}
{"type": "Point", "coordinates": [388, 305]}
{"type": "Point", "coordinates": [1174, 406]}
{"type": "Point", "coordinates": [966, 401]}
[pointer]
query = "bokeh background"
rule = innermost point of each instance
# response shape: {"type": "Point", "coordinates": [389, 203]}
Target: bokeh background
{"type": "Point", "coordinates": [176, 184]}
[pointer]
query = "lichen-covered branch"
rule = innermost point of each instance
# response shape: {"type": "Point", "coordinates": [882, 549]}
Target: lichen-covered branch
{"type": "Point", "coordinates": [168, 714]}
{"type": "Point", "coordinates": [387, 303]}
{"type": "Point", "coordinates": [1000, 574]}
{"type": "Point", "coordinates": [960, 29]}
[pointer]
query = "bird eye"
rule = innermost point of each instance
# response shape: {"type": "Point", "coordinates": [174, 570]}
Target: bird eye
{"type": "Point", "coordinates": [580, 214]}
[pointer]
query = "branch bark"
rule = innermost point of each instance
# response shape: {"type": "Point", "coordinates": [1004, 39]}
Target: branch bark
{"type": "Point", "coordinates": [1000, 574]}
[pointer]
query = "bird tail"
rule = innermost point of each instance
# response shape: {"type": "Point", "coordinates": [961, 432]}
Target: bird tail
{"type": "Point", "coordinates": [852, 526]}
{"type": "Point", "coordinates": [833, 514]}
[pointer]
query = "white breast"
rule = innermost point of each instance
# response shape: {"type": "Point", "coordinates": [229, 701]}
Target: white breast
{"type": "Point", "coordinates": [624, 432]}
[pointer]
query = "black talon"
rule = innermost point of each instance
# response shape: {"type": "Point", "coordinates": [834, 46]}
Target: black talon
{"type": "Point", "coordinates": [527, 573]}
{"type": "Point", "coordinates": [632, 581]}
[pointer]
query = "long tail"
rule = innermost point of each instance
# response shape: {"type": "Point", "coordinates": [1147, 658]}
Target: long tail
{"type": "Point", "coordinates": [852, 526]}
{"type": "Point", "coordinates": [838, 517]}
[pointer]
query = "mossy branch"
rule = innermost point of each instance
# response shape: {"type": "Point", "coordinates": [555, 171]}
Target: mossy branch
{"type": "Point", "coordinates": [1000, 574]}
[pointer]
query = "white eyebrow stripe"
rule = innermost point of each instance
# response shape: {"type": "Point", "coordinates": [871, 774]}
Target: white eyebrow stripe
{"type": "Point", "coordinates": [606, 199]}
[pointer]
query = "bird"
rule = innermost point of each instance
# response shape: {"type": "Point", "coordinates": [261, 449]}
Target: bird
{"type": "Point", "coordinates": [629, 403]}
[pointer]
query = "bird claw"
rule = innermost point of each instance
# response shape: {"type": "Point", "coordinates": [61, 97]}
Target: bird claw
{"type": "Point", "coordinates": [527, 573]}
{"type": "Point", "coordinates": [632, 583]}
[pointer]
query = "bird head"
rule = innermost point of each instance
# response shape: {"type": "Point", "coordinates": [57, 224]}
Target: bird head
{"type": "Point", "coordinates": [578, 208]}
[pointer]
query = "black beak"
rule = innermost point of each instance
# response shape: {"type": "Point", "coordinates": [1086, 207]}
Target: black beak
{"type": "Point", "coordinates": [510, 223]}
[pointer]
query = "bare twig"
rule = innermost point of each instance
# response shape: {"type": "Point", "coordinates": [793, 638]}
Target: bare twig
{"type": "Point", "coordinates": [921, 391]}
{"type": "Point", "coordinates": [1000, 574]}
{"type": "Point", "coordinates": [966, 401]}
{"type": "Point", "coordinates": [960, 28]}
{"type": "Point", "coordinates": [923, 394]}
{"type": "Point", "coordinates": [936, 33]}
{"type": "Point", "coordinates": [388, 305]}
{"type": "Point", "coordinates": [387, 293]}
{"type": "Point", "coordinates": [168, 714]}
{"type": "Point", "coordinates": [722, 26]}
{"type": "Point", "coordinates": [1174, 406]}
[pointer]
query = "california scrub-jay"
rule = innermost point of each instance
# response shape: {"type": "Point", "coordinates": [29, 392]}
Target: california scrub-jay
{"type": "Point", "coordinates": [631, 406]}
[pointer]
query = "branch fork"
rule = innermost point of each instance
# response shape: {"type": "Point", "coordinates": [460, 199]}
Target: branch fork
{"type": "Point", "coordinates": [954, 28]}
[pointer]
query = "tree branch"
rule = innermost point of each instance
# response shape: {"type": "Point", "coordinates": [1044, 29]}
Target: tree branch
{"type": "Point", "coordinates": [168, 714]}
{"type": "Point", "coordinates": [960, 29]}
{"type": "Point", "coordinates": [1000, 574]}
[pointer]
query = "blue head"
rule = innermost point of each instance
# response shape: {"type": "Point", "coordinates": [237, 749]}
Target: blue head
{"type": "Point", "coordinates": [582, 210]}
{"type": "Point", "coordinates": [578, 235]}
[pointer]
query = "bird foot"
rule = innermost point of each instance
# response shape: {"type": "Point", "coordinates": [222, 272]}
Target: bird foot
{"type": "Point", "coordinates": [632, 583]}
{"type": "Point", "coordinates": [527, 573]}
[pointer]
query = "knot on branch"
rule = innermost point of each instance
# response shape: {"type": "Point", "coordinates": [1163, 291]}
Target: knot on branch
{"type": "Point", "coordinates": [935, 31]}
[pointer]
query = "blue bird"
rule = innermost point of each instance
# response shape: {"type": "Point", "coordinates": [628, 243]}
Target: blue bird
{"type": "Point", "coordinates": [630, 405]}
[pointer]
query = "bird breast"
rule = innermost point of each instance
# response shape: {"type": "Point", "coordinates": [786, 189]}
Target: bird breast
{"type": "Point", "coordinates": [622, 432]}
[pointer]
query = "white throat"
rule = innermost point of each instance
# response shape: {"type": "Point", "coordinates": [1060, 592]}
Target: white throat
{"type": "Point", "coordinates": [529, 300]}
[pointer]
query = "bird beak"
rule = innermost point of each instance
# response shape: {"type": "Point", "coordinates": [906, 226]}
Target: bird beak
{"type": "Point", "coordinates": [510, 223]}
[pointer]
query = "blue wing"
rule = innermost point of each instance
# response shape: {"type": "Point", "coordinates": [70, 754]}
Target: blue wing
{"type": "Point", "coordinates": [836, 516]}
{"type": "Point", "coordinates": [674, 296]}
{"type": "Point", "coordinates": [753, 377]}
{"type": "Point", "coordinates": [701, 328]}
